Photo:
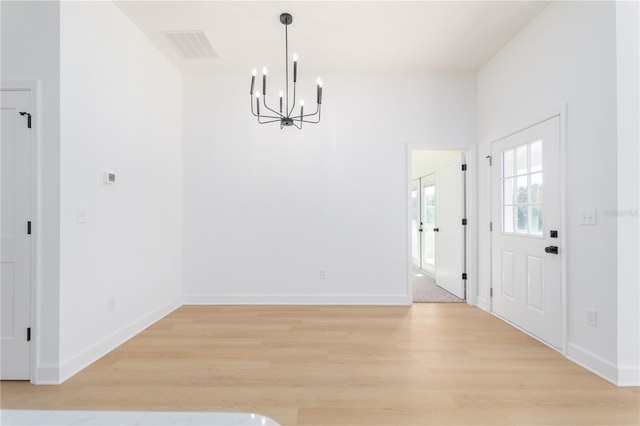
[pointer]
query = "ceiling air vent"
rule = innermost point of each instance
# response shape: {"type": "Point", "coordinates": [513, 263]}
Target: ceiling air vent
{"type": "Point", "coordinates": [191, 44]}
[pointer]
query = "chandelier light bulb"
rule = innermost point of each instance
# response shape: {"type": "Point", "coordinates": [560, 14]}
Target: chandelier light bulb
{"type": "Point", "coordinates": [301, 102]}
{"type": "Point", "coordinates": [280, 94]}
{"type": "Point", "coordinates": [264, 70]}
{"type": "Point", "coordinates": [257, 94]}
{"type": "Point", "coordinates": [254, 72]}
{"type": "Point", "coordinates": [319, 82]}
{"type": "Point", "coordinates": [295, 57]}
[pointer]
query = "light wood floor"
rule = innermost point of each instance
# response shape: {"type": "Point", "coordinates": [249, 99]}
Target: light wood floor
{"type": "Point", "coordinates": [445, 364]}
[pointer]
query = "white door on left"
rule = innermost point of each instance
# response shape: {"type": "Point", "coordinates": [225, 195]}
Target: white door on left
{"type": "Point", "coordinates": [449, 229]}
{"type": "Point", "coordinates": [15, 294]}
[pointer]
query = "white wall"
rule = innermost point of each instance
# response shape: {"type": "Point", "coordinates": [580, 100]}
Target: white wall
{"type": "Point", "coordinates": [628, 51]}
{"type": "Point", "coordinates": [121, 110]}
{"type": "Point", "coordinates": [30, 48]}
{"type": "Point", "coordinates": [567, 55]}
{"type": "Point", "coordinates": [265, 210]}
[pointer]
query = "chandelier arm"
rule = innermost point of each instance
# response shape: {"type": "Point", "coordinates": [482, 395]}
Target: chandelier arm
{"type": "Point", "coordinates": [251, 102]}
{"type": "Point", "coordinates": [311, 115]}
{"type": "Point", "coordinates": [264, 102]}
{"type": "Point", "coordinates": [294, 100]}
{"type": "Point", "coordinates": [275, 119]}
{"type": "Point", "coordinates": [297, 117]}
{"type": "Point", "coordinates": [262, 115]}
{"type": "Point", "coordinates": [269, 116]}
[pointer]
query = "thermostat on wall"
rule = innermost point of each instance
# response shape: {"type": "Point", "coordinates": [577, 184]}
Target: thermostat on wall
{"type": "Point", "coordinates": [108, 177]}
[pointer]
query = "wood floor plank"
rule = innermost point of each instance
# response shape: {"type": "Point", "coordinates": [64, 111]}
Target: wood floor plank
{"type": "Point", "coordinates": [446, 364]}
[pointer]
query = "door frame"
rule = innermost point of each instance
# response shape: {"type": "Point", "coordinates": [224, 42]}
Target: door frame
{"type": "Point", "coordinates": [472, 216]}
{"type": "Point", "coordinates": [34, 88]}
{"type": "Point", "coordinates": [561, 113]}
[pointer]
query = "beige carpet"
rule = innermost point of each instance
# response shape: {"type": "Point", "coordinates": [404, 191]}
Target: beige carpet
{"type": "Point", "coordinates": [425, 289]}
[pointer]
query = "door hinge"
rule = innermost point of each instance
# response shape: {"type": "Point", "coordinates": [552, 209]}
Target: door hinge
{"type": "Point", "coordinates": [29, 228]}
{"type": "Point", "coordinates": [464, 222]}
{"type": "Point", "coordinates": [464, 275]}
{"type": "Point", "coordinates": [491, 292]}
{"type": "Point", "coordinates": [490, 160]}
{"type": "Point", "coordinates": [464, 167]}
{"type": "Point", "coordinates": [490, 226]}
{"type": "Point", "coordinates": [29, 334]}
{"type": "Point", "coordinates": [28, 118]}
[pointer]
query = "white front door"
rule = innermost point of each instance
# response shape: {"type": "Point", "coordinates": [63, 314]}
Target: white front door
{"type": "Point", "coordinates": [15, 294]}
{"type": "Point", "coordinates": [449, 229]}
{"type": "Point", "coordinates": [526, 270]}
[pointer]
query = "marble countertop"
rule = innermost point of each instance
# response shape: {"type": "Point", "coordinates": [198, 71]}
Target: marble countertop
{"type": "Point", "coordinates": [113, 418]}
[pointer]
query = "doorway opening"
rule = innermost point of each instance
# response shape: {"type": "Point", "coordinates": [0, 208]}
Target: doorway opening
{"type": "Point", "coordinates": [438, 225]}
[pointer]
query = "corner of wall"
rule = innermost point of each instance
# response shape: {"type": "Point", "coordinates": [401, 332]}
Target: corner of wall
{"type": "Point", "coordinates": [109, 343]}
{"type": "Point", "coordinates": [592, 362]}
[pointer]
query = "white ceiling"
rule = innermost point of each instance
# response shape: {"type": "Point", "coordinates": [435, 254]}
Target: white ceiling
{"type": "Point", "coordinates": [338, 36]}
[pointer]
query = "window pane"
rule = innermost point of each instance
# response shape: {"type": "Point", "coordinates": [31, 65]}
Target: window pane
{"type": "Point", "coordinates": [429, 217]}
{"type": "Point", "coordinates": [507, 194]}
{"type": "Point", "coordinates": [430, 195]}
{"type": "Point", "coordinates": [522, 219]}
{"type": "Point", "coordinates": [536, 156]}
{"type": "Point", "coordinates": [522, 163]}
{"type": "Point", "coordinates": [523, 190]}
{"type": "Point", "coordinates": [507, 219]}
{"type": "Point", "coordinates": [536, 219]}
{"type": "Point", "coordinates": [507, 163]}
{"type": "Point", "coordinates": [536, 188]}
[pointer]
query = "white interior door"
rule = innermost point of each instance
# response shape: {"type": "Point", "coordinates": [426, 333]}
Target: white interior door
{"type": "Point", "coordinates": [526, 266]}
{"type": "Point", "coordinates": [15, 253]}
{"type": "Point", "coordinates": [449, 230]}
{"type": "Point", "coordinates": [428, 219]}
{"type": "Point", "coordinates": [416, 226]}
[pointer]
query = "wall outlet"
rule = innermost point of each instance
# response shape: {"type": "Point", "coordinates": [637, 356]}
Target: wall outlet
{"type": "Point", "coordinates": [111, 303]}
{"type": "Point", "coordinates": [82, 215]}
{"type": "Point", "coordinates": [592, 317]}
{"type": "Point", "coordinates": [323, 274]}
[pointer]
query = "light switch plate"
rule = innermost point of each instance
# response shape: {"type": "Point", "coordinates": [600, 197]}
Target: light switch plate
{"type": "Point", "coordinates": [108, 177]}
{"type": "Point", "coordinates": [588, 217]}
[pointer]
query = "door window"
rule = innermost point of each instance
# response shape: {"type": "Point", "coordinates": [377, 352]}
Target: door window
{"type": "Point", "coordinates": [521, 182]}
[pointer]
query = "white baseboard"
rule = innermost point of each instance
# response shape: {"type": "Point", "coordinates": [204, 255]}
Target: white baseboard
{"type": "Point", "coordinates": [481, 303]}
{"type": "Point", "coordinates": [47, 375]}
{"type": "Point", "coordinates": [629, 376]}
{"type": "Point", "coordinates": [109, 343]}
{"type": "Point", "coordinates": [297, 299]}
{"type": "Point", "coordinates": [593, 363]}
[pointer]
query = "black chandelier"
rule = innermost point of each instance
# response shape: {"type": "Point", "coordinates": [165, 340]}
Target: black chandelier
{"type": "Point", "coordinates": [283, 116]}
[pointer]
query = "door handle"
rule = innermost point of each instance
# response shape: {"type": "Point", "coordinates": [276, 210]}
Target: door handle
{"type": "Point", "coordinates": [436, 229]}
{"type": "Point", "coordinates": [551, 249]}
